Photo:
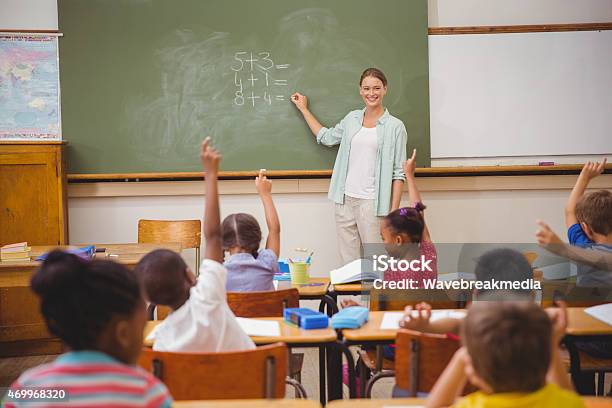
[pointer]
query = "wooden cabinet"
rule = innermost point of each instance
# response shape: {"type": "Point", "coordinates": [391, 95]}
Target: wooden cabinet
{"type": "Point", "coordinates": [32, 209]}
{"type": "Point", "coordinates": [33, 193]}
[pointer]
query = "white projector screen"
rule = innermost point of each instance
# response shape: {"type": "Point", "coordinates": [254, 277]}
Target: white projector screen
{"type": "Point", "coordinates": [522, 94]}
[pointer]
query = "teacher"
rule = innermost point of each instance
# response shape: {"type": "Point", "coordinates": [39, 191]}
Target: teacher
{"type": "Point", "coordinates": [367, 180]}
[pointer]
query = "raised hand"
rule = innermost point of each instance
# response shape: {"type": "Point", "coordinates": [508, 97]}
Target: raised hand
{"type": "Point", "coordinates": [410, 165]}
{"type": "Point", "coordinates": [590, 170]}
{"type": "Point", "coordinates": [546, 236]}
{"type": "Point", "coordinates": [263, 184]}
{"type": "Point", "coordinates": [209, 157]}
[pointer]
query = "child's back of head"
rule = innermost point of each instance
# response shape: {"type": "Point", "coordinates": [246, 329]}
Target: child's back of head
{"type": "Point", "coordinates": [509, 344]}
{"type": "Point", "coordinates": [241, 232]}
{"type": "Point", "coordinates": [504, 264]}
{"type": "Point", "coordinates": [407, 221]}
{"type": "Point", "coordinates": [165, 277]}
{"type": "Point", "coordinates": [96, 308]}
{"type": "Point", "coordinates": [595, 210]}
{"type": "Point", "coordinates": [80, 299]}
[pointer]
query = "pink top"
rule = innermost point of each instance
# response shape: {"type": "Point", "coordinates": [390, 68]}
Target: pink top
{"type": "Point", "coordinates": [428, 250]}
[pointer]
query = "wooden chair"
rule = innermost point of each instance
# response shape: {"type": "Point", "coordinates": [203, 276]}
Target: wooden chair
{"type": "Point", "coordinates": [186, 232]}
{"type": "Point", "coordinates": [372, 366]}
{"type": "Point", "coordinates": [263, 304]}
{"type": "Point", "coordinates": [258, 373]}
{"type": "Point", "coordinates": [599, 366]}
{"type": "Point", "coordinates": [420, 358]}
{"type": "Point", "coordinates": [270, 304]}
{"type": "Point", "coordinates": [531, 257]}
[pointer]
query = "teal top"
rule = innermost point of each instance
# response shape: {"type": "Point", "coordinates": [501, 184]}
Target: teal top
{"type": "Point", "coordinates": [391, 153]}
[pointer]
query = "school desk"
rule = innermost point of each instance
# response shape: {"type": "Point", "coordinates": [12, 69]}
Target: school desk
{"type": "Point", "coordinates": [378, 403]}
{"type": "Point", "coordinates": [597, 402]}
{"type": "Point", "coordinates": [22, 327]}
{"type": "Point", "coordinates": [582, 327]}
{"type": "Point", "coordinates": [589, 402]}
{"type": "Point", "coordinates": [330, 359]}
{"type": "Point", "coordinates": [349, 289]}
{"type": "Point", "coordinates": [315, 289]}
{"type": "Point", "coordinates": [248, 403]}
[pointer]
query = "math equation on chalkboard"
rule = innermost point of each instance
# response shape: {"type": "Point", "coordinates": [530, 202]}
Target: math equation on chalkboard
{"type": "Point", "coordinates": [258, 79]}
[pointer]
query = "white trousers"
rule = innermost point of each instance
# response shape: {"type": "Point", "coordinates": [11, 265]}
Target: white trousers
{"type": "Point", "coordinates": [356, 224]}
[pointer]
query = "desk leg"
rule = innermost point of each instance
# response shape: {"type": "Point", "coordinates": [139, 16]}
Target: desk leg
{"type": "Point", "coordinates": [334, 372]}
{"type": "Point", "coordinates": [351, 369]}
{"type": "Point", "coordinates": [328, 303]}
{"type": "Point", "coordinates": [322, 383]}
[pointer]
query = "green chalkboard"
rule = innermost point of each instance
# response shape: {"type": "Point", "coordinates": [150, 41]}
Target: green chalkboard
{"type": "Point", "coordinates": [143, 81]}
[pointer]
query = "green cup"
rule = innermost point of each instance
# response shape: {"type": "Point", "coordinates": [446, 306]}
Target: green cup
{"type": "Point", "coordinates": [299, 272]}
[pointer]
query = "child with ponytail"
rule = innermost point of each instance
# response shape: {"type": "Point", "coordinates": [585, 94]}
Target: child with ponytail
{"type": "Point", "coordinates": [405, 234]}
{"type": "Point", "coordinates": [96, 308]}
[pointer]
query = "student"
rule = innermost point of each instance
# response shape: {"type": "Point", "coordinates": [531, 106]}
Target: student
{"type": "Point", "coordinates": [405, 234]}
{"type": "Point", "coordinates": [250, 269]}
{"type": "Point", "coordinates": [588, 219]}
{"type": "Point", "coordinates": [549, 240]}
{"type": "Point", "coordinates": [511, 354]}
{"type": "Point", "coordinates": [97, 310]}
{"type": "Point", "coordinates": [201, 320]}
{"type": "Point", "coordinates": [502, 264]}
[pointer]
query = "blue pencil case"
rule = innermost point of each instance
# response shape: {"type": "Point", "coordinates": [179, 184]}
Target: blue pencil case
{"type": "Point", "coordinates": [84, 252]}
{"type": "Point", "coordinates": [306, 318]}
{"type": "Point", "coordinates": [350, 318]}
{"type": "Point", "coordinates": [282, 276]}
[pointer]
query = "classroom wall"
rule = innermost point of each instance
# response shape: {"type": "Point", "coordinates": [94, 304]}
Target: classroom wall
{"type": "Point", "coordinates": [449, 13]}
{"type": "Point", "coordinates": [459, 210]}
{"type": "Point", "coordinates": [28, 14]}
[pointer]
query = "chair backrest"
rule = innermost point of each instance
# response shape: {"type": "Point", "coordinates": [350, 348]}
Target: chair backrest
{"type": "Point", "coordinates": [263, 304]}
{"type": "Point", "coordinates": [387, 299]}
{"type": "Point", "coordinates": [187, 232]}
{"type": "Point", "coordinates": [420, 358]}
{"type": "Point", "coordinates": [530, 256]}
{"type": "Point", "coordinates": [258, 373]}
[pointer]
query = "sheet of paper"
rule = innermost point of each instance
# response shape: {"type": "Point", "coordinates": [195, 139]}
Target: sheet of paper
{"type": "Point", "coordinates": [446, 314]}
{"type": "Point", "coordinates": [601, 312]}
{"type": "Point", "coordinates": [391, 320]}
{"type": "Point", "coordinates": [258, 327]}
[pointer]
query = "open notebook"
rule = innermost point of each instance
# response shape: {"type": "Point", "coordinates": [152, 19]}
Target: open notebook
{"type": "Point", "coordinates": [355, 271]}
{"type": "Point", "coordinates": [391, 320]}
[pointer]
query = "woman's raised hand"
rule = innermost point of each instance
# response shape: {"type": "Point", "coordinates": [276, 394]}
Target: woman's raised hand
{"type": "Point", "coordinates": [300, 101]}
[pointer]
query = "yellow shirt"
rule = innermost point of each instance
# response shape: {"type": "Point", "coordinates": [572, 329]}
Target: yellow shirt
{"type": "Point", "coordinates": [549, 396]}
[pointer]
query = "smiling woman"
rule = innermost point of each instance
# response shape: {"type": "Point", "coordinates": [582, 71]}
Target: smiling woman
{"type": "Point", "coordinates": [368, 177]}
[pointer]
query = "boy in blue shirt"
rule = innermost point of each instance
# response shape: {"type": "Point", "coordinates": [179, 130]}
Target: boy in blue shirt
{"type": "Point", "coordinates": [588, 218]}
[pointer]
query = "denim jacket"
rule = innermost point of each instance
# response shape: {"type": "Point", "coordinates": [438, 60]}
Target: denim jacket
{"type": "Point", "coordinates": [391, 153]}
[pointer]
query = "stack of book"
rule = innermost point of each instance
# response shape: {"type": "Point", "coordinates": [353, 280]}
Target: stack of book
{"type": "Point", "coordinates": [15, 252]}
